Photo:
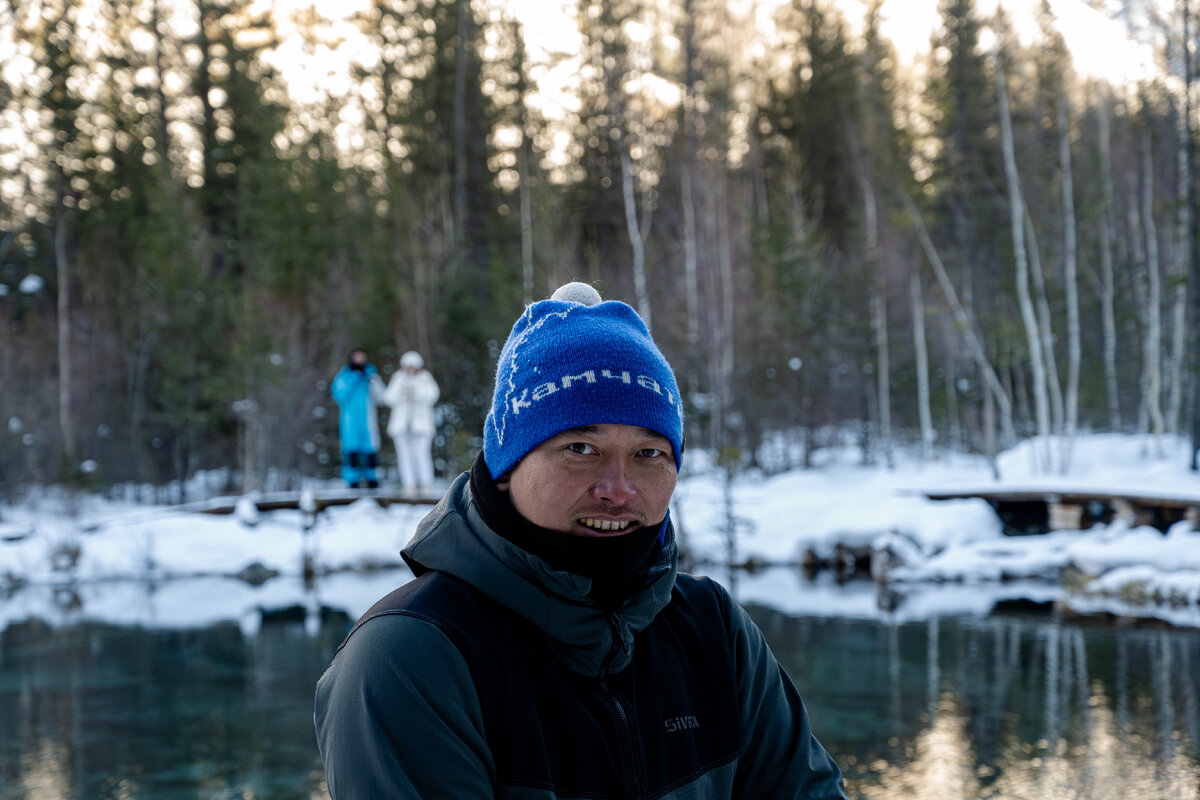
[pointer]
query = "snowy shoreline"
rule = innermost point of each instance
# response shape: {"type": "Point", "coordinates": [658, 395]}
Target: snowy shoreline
{"type": "Point", "coordinates": [151, 565]}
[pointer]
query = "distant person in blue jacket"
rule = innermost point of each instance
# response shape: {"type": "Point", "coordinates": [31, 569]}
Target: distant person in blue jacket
{"type": "Point", "coordinates": [358, 389]}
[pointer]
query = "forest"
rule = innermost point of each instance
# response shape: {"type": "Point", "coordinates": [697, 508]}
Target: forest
{"type": "Point", "coordinates": [978, 248]}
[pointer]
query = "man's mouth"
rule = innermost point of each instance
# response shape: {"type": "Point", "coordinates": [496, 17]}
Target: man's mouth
{"type": "Point", "coordinates": [605, 525]}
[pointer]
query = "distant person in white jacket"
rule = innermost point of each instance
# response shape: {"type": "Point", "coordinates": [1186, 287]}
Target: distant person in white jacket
{"type": "Point", "coordinates": [412, 394]}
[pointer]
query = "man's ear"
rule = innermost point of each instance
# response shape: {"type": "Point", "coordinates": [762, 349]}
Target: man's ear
{"type": "Point", "coordinates": [503, 481]}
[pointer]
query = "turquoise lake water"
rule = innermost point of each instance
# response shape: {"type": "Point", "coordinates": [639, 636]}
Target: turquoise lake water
{"type": "Point", "coordinates": [1008, 706]}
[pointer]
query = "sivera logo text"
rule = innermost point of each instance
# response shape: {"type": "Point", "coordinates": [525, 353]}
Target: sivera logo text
{"type": "Point", "coordinates": [676, 724]}
{"type": "Point", "coordinates": [544, 390]}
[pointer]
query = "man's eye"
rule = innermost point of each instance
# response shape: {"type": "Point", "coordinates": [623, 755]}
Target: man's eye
{"type": "Point", "coordinates": [650, 452]}
{"type": "Point", "coordinates": [582, 448]}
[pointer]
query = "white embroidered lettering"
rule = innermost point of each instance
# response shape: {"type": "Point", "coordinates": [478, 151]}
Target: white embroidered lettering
{"type": "Point", "coordinates": [588, 376]}
{"type": "Point", "coordinates": [646, 382]}
{"type": "Point", "coordinates": [623, 377]}
{"type": "Point", "coordinates": [520, 402]}
{"type": "Point", "coordinates": [544, 390]}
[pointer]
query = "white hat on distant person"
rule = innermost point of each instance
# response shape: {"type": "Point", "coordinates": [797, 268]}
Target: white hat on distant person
{"type": "Point", "coordinates": [411, 359]}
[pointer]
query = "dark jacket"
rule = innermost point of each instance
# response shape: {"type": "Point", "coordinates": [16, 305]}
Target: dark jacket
{"type": "Point", "coordinates": [494, 676]}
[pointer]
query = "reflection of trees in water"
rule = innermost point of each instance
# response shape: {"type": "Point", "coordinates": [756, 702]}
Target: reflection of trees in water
{"type": "Point", "coordinates": [97, 710]}
{"type": "Point", "coordinates": [1016, 709]}
{"type": "Point", "coordinates": [941, 762]}
{"type": "Point", "coordinates": [1107, 764]}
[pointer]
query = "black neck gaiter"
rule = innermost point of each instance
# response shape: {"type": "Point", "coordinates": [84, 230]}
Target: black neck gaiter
{"type": "Point", "coordinates": [613, 563]}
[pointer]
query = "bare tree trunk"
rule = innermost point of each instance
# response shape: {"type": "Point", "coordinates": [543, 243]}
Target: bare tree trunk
{"type": "Point", "coordinates": [883, 397]}
{"type": "Point", "coordinates": [1152, 346]}
{"type": "Point", "coordinates": [957, 439]}
{"type": "Point", "coordinates": [66, 423]}
{"type": "Point", "coordinates": [1070, 278]}
{"type": "Point", "coordinates": [1107, 282]}
{"type": "Point", "coordinates": [164, 134]}
{"type": "Point", "coordinates": [691, 274]}
{"type": "Point", "coordinates": [526, 223]}
{"type": "Point", "coordinates": [883, 371]}
{"type": "Point", "coordinates": [1017, 218]}
{"type": "Point", "coordinates": [691, 271]}
{"type": "Point", "coordinates": [1016, 381]}
{"type": "Point", "coordinates": [636, 236]}
{"type": "Point", "coordinates": [989, 431]}
{"type": "Point", "coordinates": [461, 57]}
{"type": "Point", "coordinates": [213, 247]}
{"type": "Point", "coordinates": [965, 323]}
{"type": "Point", "coordinates": [1193, 240]}
{"type": "Point", "coordinates": [1045, 325]}
{"type": "Point", "coordinates": [721, 362]}
{"type": "Point", "coordinates": [1141, 293]}
{"type": "Point", "coordinates": [922, 353]}
{"type": "Point", "coordinates": [1178, 281]}
{"type": "Point", "coordinates": [728, 298]}
{"type": "Point", "coordinates": [430, 248]}
{"type": "Point", "coordinates": [137, 398]}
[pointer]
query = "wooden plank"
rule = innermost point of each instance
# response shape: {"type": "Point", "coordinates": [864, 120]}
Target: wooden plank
{"type": "Point", "coordinates": [1028, 511]}
{"type": "Point", "coordinates": [1066, 496]}
{"type": "Point", "coordinates": [1066, 516]}
{"type": "Point", "coordinates": [278, 501]}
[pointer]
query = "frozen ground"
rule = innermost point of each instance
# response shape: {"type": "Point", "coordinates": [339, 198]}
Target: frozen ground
{"type": "Point", "coordinates": [155, 565]}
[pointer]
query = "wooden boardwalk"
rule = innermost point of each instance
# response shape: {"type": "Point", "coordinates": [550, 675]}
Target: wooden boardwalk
{"type": "Point", "coordinates": [1025, 511]}
{"type": "Point", "coordinates": [1021, 511]}
{"type": "Point", "coordinates": [311, 501]}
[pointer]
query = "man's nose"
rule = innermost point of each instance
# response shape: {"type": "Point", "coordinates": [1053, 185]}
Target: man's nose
{"type": "Point", "coordinates": [615, 482]}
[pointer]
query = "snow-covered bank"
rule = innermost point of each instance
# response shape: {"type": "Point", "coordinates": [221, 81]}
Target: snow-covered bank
{"type": "Point", "coordinates": [154, 565]}
{"type": "Point", "coordinates": [1127, 571]}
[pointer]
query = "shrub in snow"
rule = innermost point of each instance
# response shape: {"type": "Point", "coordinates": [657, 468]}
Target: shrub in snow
{"type": "Point", "coordinates": [891, 551]}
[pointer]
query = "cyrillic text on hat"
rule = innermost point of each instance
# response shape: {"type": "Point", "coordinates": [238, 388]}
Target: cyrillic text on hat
{"type": "Point", "coordinates": [544, 390]}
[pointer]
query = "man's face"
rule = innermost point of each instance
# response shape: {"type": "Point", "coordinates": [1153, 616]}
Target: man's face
{"type": "Point", "coordinates": [358, 357]}
{"type": "Point", "coordinates": [597, 480]}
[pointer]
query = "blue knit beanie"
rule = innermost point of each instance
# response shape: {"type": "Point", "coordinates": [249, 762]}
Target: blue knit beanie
{"type": "Point", "coordinates": [573, 360]}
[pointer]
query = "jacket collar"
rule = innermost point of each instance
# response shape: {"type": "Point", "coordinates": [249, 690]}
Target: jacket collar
{"type": "Point", "coordinates": [454, 539]}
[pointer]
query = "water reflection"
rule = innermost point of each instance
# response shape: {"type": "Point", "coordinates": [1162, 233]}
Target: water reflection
{"type": "Point", "coordinates": [97, 711]}
{"type": "Point", "coordinates": [170, 704]}
{"type": "Point", "coordinates": [998, 708]}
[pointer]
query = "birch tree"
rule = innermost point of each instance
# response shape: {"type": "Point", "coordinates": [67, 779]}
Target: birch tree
{"type": "Point", "coordinates": [687, 177]}
{"type": "Point", "coordinates": [1107, 281]}
{"type": "Point", "coordinates": [1070, 278]}
{"type": "Point", "coordinates": [1193, 239]}
{"type": "Point", "coordinates": [1152, 311]}
{"type": "Point", "coordinates": [638, 230]}
{"type": "Point", "coordinates": [878, 301]}
{"type": "Point", "coordinates": [880, 154]}
{"type": "Point", "coordinates": [1045, 322]}
{"type": "Point", "coordinates": [921, 349]}
{"type": "Point", "coordinates": [965, 324]}
{"type": "Point", "coordinates": [1017, 217]}
{"type": "Point", "coordinates": [1177, 280]}
{"type": "Point", "coordinates": [1054, 68]}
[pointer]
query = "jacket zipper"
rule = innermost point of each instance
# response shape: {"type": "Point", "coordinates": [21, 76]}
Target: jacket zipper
{"type": "Point", "coordinates": [628, 737]}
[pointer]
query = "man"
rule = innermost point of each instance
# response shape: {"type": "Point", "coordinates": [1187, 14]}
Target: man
{"type": "Point", "coordinates": [548, 649]}
{"type": "Point", "coordinates": [358, 389]}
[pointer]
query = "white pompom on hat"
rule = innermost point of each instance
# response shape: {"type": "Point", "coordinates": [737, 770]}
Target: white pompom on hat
{"type": "Point", "coordinates": [576, 292]}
